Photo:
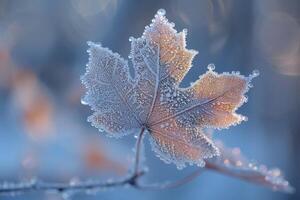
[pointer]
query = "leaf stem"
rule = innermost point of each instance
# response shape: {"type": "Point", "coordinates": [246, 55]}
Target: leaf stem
{"type": "Point", "coordinates": [138, 151]}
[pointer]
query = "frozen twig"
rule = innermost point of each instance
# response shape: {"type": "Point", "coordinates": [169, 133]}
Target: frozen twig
{"type": "Point", "coordinates": [173, 184]}
{"type": "Point", "coordinates": [79, 186]}
{"type": "Point", "coordinates": [91, 185]}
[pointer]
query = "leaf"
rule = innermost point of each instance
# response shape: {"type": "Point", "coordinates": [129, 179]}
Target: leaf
{"type": "Point", "coordinates": [231, 162]}
{"type": "Point", "coordinates": [174, 117]}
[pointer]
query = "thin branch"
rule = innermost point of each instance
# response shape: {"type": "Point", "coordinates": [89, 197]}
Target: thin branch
{"type": "Point", "coordinates": [249, 178]}
{"type": "Point", "coordinates": [254, 177]}
{"type": "Point", "coordinates": [20, 188]}
{"type": "Point", "coordinates": [59, 187]}
{"type": "Point", "coordinates": [174, 184]}
{"type": "Point", "coordinates": [9, 188]}
{"type": "Point", "coordinates": [257, 179]}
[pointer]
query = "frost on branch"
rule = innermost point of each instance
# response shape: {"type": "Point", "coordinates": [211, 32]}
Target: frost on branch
{"type": "Point", "coordinates": [174, 117]}
{"type": "Point", "coordinates": [231, 162]}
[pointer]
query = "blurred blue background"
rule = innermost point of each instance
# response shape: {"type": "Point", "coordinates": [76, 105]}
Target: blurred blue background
{"type": "Point", "coordinates": [43, 128]}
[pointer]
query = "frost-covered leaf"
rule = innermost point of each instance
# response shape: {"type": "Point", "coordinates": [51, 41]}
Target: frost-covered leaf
{"type": "Point", "coordinates": [231, 162]}
{"type": "Point", "coordinates": [174, 117]}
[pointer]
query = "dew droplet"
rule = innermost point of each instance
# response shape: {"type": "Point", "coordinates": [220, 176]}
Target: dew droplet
{"type": "Point", "coordinates": [255, 73]}
{"type": "Point", "coordinates": [131, 39]}
{"type": "Point", "coordinates": [83, 101]}
{"type": "Point", "coordinates": [67, 195]}
{"type": "Point", "coordinates": [161, 12]}
{"type": "Point", "coordinates": [101, 130]}
{"type": "Point", "coordinates": [226, 162]}
{"type": "Point", "coordinates": [74, 181]}
{"type": "Point", "coordinates": [238, 163]}
{"type": "Point", "coordinates": [275, 172]}
{"type": "Point", "coordinates": [89, 43]}
{"type": "Point", "coordinates": [211, 67]}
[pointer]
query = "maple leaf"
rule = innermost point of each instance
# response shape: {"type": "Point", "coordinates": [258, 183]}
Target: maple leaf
{"type": "Point", "coordinates": [174, 117]}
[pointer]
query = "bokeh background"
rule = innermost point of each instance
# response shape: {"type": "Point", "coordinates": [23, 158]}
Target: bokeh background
{"type": "Point", "coordinates": [43, 128]}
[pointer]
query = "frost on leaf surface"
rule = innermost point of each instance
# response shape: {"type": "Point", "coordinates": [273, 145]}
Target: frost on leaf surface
{"type": "Point", "coordinates": [232, 162]}
{"type": "Point", "coordinates": [174, 117]}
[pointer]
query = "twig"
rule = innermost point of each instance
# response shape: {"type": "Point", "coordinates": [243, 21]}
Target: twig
{"type": "Point", "coordinates": [59, 187]}
{"type": "Point", "coordinates": [258, 178]}
{"type": "Point", "coordinates": [20, 188]}
{"type": "Point", "coordinates": [174, 184]}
